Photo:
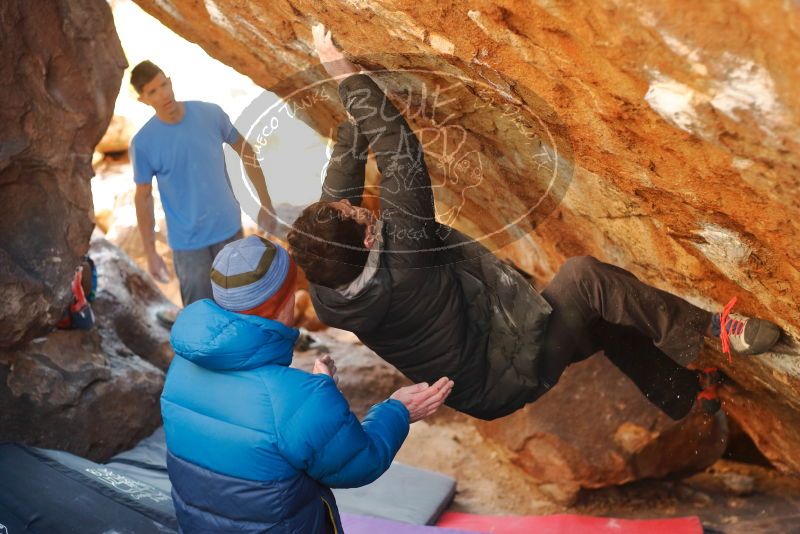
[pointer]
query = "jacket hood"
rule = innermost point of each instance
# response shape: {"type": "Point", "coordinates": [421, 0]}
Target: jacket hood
{"type": "Point", "coordinates": [360, 312]}
{"type": "Point", "coordinates": [221, 340]}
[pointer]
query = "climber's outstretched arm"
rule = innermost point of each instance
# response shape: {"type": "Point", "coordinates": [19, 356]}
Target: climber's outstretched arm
{"type": "Point", "coordinates": [406, 196]}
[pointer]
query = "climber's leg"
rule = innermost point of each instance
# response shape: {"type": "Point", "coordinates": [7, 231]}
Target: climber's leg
{"type": "Point", "coordinates": [574, 333]}
{"type": "Point", "coordinates": [586, 290]}
{"type": "Point", "coordinates": [667, 385]}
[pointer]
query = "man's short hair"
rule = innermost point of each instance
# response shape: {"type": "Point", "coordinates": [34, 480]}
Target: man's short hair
{"type": "Point", "coordinates": [143, 73]}
{"type": "Point", "coordinates": [328, 247]}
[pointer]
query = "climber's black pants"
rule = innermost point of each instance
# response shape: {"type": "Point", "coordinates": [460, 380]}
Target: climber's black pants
{"type": "Point", "coordinates": [647, 333]}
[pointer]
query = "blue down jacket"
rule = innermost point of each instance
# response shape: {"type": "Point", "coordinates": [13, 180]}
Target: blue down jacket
{"type": "Point", "coordinates": [254, 445]}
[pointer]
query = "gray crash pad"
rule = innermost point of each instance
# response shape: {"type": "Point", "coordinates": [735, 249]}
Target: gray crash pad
{"type": "Point", "coordinates": [136, 481]}
{"type": "Point", "coordinates": [403, 493]}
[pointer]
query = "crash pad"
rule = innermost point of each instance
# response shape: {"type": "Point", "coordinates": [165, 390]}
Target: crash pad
{"type": "Point", "coordinates": [388, 497]}
{"type": "Point", "coordinates": [57, 492]}
{"type": "Point", "coordinates": [402, 493]}
{"type": "Point", "coordinates": [568, 524]}
{"type": "Point", "coordinates": [360, 524]}
{"type": "Point", "coordinates": [62, 492]}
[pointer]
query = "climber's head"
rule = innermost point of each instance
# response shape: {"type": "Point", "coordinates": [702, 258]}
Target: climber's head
{"type": "Point", "coordinates": [153, 87]}
{"type": "Point", "coordinates": [330, 241]}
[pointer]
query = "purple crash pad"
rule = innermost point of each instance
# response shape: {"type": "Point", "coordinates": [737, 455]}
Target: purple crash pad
{"type": "Point", "coordinates": [361, 524]}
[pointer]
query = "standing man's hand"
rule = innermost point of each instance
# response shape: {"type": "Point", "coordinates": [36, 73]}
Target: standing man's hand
{"type": "Point", "coordinates": [422, 400]}
{"type": "Point", "coordinates": [325, 366]}
{"type": "Point", "coordinates": [157, 267]}
{"type": "Point", "coordinates": [268, 221]}
{"type": "Point", "coordinates": [145, 218]}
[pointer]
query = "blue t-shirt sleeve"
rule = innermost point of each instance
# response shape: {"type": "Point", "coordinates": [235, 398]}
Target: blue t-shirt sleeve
{"type": "Point", "coordinates": [142, 170]}
{"type": "Point", "coordinates": [228, 131]}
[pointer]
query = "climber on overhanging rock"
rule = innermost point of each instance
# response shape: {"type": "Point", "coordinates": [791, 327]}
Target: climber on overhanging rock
{"type": "Point", "coordinates": [432, 302]}
{"type": "Point", "coordinates": [181, 145]}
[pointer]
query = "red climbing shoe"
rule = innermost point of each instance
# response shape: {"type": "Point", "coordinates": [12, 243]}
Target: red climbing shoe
{"type": "Point", "coordinates": [744, 335]}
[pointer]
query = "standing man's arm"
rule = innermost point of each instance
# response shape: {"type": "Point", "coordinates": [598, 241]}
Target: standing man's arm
{"type": "Point", "coordinates": [266, 215]}
{"type": "Point", "coordinates": [143, 173]}
{"type": "Point", "coordinates": [146, 219]}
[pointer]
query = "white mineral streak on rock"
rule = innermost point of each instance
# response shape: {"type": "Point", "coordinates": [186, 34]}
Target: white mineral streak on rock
{"type": "Point", "coordinates": [692, 55]}
{"type": "Point", "coordinates": [724, 244]}
{"type": "Point", "coordinates": [725, 249]}
{"type": "Point", "coordinates": [252, 29]}
{"type": "Point", "coordinates": [748, 87]}
{"type": "Point", "coordinates": [402, 24]}
{"type": "Point", "coordinates": [441, 44]}
{"type": "Point", "coordinates": [360, 4]}
{"type": "Point", "coordinates": [502, 34]}
{"type": "Point", "coordinates": [744, 87]}
{"type": "Point", "coordinates": [219, 18]}
{"type": "Point", "coordinates": [166, 6]}
{"type": "Point", "coordinates": [675, 102]}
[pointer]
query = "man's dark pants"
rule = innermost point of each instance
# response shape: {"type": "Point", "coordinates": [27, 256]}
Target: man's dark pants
{"type": "Point", "coordinates": [647, 333]}
{"type": "Point", "coordinates": [193, 268]}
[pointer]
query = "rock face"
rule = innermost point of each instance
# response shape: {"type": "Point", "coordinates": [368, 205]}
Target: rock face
{"type": "Point", "coordinates": [93, 392]}
{"type": "Point", "coordinates": [59, 76]}
{"type": "Point", "coordinates": [674, 126]}
{"type": "Point", "coordinates": [127, 304]}
{"type": "Point", "coordinates": [594, 430]}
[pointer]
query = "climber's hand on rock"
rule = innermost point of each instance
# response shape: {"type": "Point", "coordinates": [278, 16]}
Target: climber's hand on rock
{"type": "Point", "coordinates": [422, 400]}
{"type": "Point", "coordinates": [335, 63]}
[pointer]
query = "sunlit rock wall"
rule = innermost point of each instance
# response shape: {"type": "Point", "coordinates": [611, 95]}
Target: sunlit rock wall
{"type": "Point", "coordinates": [671, 128]}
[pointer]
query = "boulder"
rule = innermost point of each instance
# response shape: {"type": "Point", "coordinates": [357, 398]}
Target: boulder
{"type": "Point", "coordinates": [127, 304]}
{"type": "Point", "coordinates": [60, 73]}
{"type": "Point", "coordinates": [595, 429]}
{"type": "Point", "coordinates": [93, 392]}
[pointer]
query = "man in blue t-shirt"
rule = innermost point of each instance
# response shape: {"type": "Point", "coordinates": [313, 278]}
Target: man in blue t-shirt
{"type": "Point", "coordinates": [181, 145]}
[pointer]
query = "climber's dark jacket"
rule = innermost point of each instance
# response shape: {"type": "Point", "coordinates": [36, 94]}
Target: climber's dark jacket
{"type": "Point", "coordinates": [440, 304]}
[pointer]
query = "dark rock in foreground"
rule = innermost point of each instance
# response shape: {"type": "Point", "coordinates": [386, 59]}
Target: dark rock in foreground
{"type": "Point", "coordinates": [96, 392]}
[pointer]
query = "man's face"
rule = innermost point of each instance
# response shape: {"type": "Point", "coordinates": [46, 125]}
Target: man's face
{"type": "Point", "coordinates": [158, 94]}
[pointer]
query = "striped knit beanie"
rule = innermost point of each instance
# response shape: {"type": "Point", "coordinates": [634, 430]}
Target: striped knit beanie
{"type": "Point", "coordinates": [253, 276]}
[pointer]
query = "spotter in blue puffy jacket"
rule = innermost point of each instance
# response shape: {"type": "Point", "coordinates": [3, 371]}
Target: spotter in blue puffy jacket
{"type": "Point", "coordinates": [254, 445]}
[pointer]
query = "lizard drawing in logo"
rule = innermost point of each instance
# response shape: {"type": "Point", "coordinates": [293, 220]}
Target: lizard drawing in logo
{"type": "Point", "coordinates": [458, 170]}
